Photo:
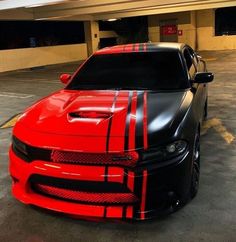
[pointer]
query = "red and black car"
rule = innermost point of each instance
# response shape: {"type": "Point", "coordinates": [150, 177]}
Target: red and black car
{"type": "Point", "coordinates": [121, 140]}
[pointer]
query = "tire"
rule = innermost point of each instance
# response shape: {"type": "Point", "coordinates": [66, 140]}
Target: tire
{"type": "Point", "coordinates": [205, 110]}
{"type": "Point", "coordinates": [196, 167]}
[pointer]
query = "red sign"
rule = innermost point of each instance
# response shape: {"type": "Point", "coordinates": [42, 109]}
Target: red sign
{"type": "Point", "coordinates": [168, 29]}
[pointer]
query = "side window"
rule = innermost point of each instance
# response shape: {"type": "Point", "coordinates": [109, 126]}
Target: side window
{"type": "Point", "coordinates": [190, 63]}
{"type": "Point", "coordinates": [194, 56]}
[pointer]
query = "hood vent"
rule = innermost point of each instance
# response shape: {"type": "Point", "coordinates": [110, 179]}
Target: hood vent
{"type": "Point", "coordinates": [91, 114]}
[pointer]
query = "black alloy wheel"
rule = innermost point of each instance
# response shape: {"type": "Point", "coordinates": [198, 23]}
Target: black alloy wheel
{"type": "Point", "coordinates": [196, 167]}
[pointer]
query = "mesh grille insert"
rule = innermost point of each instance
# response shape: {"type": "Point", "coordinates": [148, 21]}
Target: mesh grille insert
{"type": "Point", "coordinates": [126, 159]}
{"type": "Point", "coordinates": [86, 197]}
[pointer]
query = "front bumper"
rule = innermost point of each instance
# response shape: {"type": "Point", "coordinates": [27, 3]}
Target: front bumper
{"type": "Point", "coordinates": [156, 189]}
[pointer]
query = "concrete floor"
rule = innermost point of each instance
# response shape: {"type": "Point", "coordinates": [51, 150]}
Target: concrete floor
{"type": "Point", "coordinates": [211, 216]}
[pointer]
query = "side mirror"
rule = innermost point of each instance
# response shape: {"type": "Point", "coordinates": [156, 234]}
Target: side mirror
{"type": "Point", "coordinates": [203, 77]}
{"type": "Point", "coordinates": [65, 78]}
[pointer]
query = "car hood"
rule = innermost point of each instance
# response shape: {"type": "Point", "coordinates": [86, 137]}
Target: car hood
{"type": "Point", "coordinates": [104, 113]}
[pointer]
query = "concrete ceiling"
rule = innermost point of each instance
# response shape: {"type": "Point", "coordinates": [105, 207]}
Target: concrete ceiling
{"type": "Point", "coordinates": [99, 9]}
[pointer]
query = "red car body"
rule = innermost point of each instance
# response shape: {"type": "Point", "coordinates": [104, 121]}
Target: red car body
{"type": "Point", "coordinates": [78, 151]}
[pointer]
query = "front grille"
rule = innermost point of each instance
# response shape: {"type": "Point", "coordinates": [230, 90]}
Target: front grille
{"type": "Point", "coordinates": [125, 159]}
{"type": "Point", "coordinates": [30, 153]}
{"type": "Point", "coordinates": [103, 193]}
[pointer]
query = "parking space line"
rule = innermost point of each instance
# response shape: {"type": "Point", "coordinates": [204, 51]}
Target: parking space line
{"type": "Point", "coordinates": [219, 127]}
{"type": "Point", "coordinates": [36, 81]}
{"type": "Point", "coordinates": [210, 59]}
{"type": "Point", "coordinates": [10, 122]}
{"type": "Point", "coordinates": [15, 95]}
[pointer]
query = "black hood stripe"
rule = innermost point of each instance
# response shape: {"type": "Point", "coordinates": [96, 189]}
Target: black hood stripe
{"type": "Point", "coordinates": [139, 121]}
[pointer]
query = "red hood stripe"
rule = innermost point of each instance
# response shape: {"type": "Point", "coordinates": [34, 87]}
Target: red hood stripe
{"type": "Point", "coordinates": [128, 48]}
{"type": "Point", "coordinates": [145, 135]}
{"type": "Point", "coordinates": [144, 191]}
{"type": "Point", "coordinates": [136, 48]}
{"type": "Point", "coordinates": [133, 122]}
{"type": "Point", "coordinates": [145, 47]}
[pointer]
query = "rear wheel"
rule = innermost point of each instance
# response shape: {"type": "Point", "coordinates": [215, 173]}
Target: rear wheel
{"type": "Point", "coordinates": [196, 167]}
{"type": "Point", "coordinates": [205, 109]}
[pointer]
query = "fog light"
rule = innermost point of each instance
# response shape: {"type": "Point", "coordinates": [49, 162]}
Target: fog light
{"type": "Point", "coordinates": [171, 148]}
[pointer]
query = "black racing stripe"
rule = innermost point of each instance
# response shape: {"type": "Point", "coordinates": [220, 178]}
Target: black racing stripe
{"type": "Point", "coordinates": [125, 180]}
{"type": "Point", "coordinates": [138, 185]}
{"type": "Point", "coordinates": [110, 122]}
{"type": "Point", "coordinates": [105, 212]}
{"type": "Point", "coordinates": [124, 212]}
{"type": "Point", "coordinates": [126, 145]}
{"type": "Point", "coordinates": [106, 174]}
{"type": "Point", "coordinates": [139, 121]}
{"type": "Point", "coordinates": [141, 47]}
{"type": "Point", "coordinates": [125, 183]}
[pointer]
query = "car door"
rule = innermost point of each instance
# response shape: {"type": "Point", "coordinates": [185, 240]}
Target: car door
{"type": "Point", "coordinates": [193, 66]}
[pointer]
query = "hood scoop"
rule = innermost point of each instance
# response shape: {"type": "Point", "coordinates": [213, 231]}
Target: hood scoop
{"type": "Point", "coordinates": [90, 114]}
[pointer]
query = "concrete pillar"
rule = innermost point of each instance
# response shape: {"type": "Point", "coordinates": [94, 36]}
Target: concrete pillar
{"type": "Point", "coordinates": [153, 28]}
{"type": "Point", "coordinates": [91, 30]}
{"type": "Point", "coordinates": [187, 23]}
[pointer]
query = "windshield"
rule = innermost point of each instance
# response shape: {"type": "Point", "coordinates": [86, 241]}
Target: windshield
{"type": "Point", "coordinates": [132, 71]}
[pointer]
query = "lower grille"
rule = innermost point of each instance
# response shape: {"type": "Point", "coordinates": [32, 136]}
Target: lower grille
{"type": "Point", "coordinates": [87, 197]}
{"type": "Point", "coordinates": [103, 193]}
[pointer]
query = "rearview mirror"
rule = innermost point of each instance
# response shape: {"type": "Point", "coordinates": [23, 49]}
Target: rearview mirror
{"type": "Point", "coordinates": [203, 77]}
{"type": "Point", "coordinates": [65, 78]}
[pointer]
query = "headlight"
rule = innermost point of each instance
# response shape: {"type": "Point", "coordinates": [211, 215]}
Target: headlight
{"type": "Point", "coordinates": [164, 152]}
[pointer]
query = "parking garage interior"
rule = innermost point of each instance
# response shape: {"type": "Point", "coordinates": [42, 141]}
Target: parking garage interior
{"type": "Point", "coordinates": [42, 39]}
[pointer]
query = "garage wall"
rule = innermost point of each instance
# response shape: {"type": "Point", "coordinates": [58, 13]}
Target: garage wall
{"type": "Point", "coordinates": [185, 22]}
{"type": "Point", "coordinates": [198, 30]}
{"type": "Point", "coordinates": [41, 56]}
{"type": "Point", "coordinates": [206, 33]}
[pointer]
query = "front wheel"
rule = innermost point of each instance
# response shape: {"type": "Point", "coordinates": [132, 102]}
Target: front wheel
{"type": "Point", "coordinates": [196, 167]}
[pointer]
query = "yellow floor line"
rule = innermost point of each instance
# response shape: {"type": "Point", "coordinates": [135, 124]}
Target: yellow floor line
{"type": "Point", "coordinates": [210, 59]}
{"type": "Point", "coordinates": [11, 122]}
{"type": "Point", "coordinates": [218, 126]}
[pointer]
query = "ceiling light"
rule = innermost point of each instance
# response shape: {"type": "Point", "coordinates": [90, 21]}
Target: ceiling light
{"type": "Point", "coordinates": [112, 19]}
